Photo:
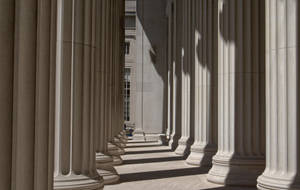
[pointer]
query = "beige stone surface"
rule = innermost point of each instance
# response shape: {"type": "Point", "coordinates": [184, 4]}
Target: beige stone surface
{"type": "Point", "coordinates": [149, 166]}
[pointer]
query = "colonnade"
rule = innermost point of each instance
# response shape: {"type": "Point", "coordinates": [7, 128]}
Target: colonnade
{"type": "Point", "coordinates": [238, 74]}
{"type": "Point", "coordinates": [233, 94]}
{"type": "Point", "coordinates": [61, 83]}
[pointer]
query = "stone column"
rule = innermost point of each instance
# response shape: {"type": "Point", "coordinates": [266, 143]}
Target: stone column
{"type": "Point", "coordinates": [176, 64]}
{"type": "Point", "coordinates": [115, 57]}
{"type": "Point", "coordinates": [282, 96]}
{"type": "Point", "coordinates": [74, 166]}
{"type": "Point", "coordinates": [113, 149]}
{"type": "Point", "coordinates": [45, 99]}
{"type": "Point", "coordinates": [6, 87]}
{"type": "Point", "coordinates": [117, 124]}
{"type": "Point", "coordinates": [206, 95]}
{"type": "Point", "coordinates": [103, 161]}
{"type": "Point", "coordinates": [120, 64]}
{"type": "Point", "coordinates": [185, 140]}
{"type": "Point", "coordinates": [123, 137]}
{"type": "Point", "coordinates": [241, 91]}
{"type": "Point", "coordinates": [105, 72]}
{"type": "Point", "coordinates": [168, 130]}
{"type": "Point", "coordinates": [25, 45]}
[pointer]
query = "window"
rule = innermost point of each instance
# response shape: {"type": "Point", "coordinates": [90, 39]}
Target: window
{"type": "Point", "coordinates": [127, 94]}
{"type": "Point", "coordinates": [127, 48]}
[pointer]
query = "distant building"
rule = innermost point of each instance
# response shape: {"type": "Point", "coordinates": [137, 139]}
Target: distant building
{"type": "Point", "coordinates": [130, 63]}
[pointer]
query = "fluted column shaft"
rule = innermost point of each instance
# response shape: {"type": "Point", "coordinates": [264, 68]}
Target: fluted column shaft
{"type": "Point", "coordinates": [176, 74]}
{"type": "Point", "coordinates": [185, 140]}
{"type": "Point", "coordinates": [25, 42]}
{"type": "Point", "coordinates": [241, 90]}
{"type": "Point", "coordinates": [98, 114]}
{"type": "Point", "coordinates": [100, 98]}
{"type": "Point", "coordinates": [117, 125]}
{"type": "Point", "coordinates": [106, 64]}
{"type": "Point", "coordinates": [24, 96]}
{"type": "Point", "coordinates": [205, 72]}
{"type": "Point", "coordinates": [103, 161]}
{"type": "Point", "coordinates": [282, 95]}
{"type": "Point", "coordinates": [112, 58]}
{"type": "Point", "coordinates": [170, 12]}
{"type": "Point", "coordinates": [121, 65]}
{"type": "Point", "coordinates": [74, 130]}
{"type": "Point", "coordinates": [110, 69]}
{"type": "Point", "coordinates": [115, 56]}
{"type": "Point", "coordinates": [6, 88]}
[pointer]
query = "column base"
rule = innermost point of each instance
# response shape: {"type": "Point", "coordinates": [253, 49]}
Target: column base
{"type": "Point", "coordinates": [183, 146]}
{"type": "Point", "coordinates": [123, 137]}
{"type": "Point", "coordinates": [105, 169]}
{"type": "Point", "coordinates": [103, 159]}
{"type": "Point", "coordinates": [277, 181]}
{"type": "Point", "coordinates": [161, 138]}
{"type": "Point", "coordinates": [77, 182]}
{"type": "Point", "coordinates": [242, 171]}
{"type": "Point", "coordinates": [115, 152]}
{"type": "Point", "coordinates": [119, 142]}
{"type": "Point", "coordinates": [109, 174]}
{"type": "Point", "coordinates": [113, 149]}
{"type": "Point", "coordinates": [201, 155]}
{"type": "Point", "coordinates": [173, 143]}
{"type": "Point", "coordinates": [117, 160]}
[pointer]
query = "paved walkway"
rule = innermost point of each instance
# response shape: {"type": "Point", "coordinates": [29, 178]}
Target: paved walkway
{"type": "Point", "coordinates": [151, 166]}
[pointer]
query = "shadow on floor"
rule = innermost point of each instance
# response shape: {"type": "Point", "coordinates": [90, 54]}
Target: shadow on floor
{"type": "Point", "coordinates": [151, 160]}
{"type": "Point", "coordinates": [161, 174]}
{"type": "Point", "coordinates": [133, 142]}
{"type": "Point", "coordinates": [230, 188]}
{"type": "Point", "coordinates": [136, 175]}
{"type": "Point", "coordinates": [147, 151]}
{"type": "Point", "coordinates": [143, 145]}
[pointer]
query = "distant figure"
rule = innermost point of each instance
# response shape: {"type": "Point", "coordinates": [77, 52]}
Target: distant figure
{"type": "Point", "coordinates": [130, 132]}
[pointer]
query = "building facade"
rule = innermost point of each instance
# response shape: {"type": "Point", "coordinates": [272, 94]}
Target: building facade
{"type": "Point", "coordinates": [130, 64]}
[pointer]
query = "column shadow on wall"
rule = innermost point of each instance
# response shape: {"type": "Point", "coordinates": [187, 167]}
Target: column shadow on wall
{"type": "Point", "coordinates": [152, 16]}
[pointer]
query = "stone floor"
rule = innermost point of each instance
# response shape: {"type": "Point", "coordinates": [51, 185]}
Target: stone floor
{"type": "Point", "coordinates": [151, 166]}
